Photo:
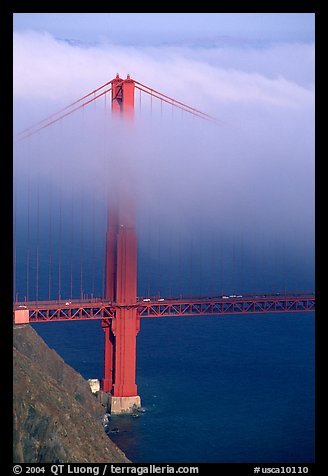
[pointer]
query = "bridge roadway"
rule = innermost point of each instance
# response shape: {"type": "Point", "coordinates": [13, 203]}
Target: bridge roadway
{"type": "Point", "coordinates": [98, 308]}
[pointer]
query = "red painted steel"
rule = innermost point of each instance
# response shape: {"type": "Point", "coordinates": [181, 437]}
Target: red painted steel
{"type": "Point", "coordinates": [218, 306]}
{"type": "Point", "coordinates": [125, 330]}
{"type": "Point", "coordinates": [117, 94]}
{"type": "Point", "coordinates": [121, 268]}
{"type": "Point", "coordinates": [107, 382]}
{"type": "Point", "coordinates": [100, 309]}
{"type": "Point", "coordinates": [128, 97]}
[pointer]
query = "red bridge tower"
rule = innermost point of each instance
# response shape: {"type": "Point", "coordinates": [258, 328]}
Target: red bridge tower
{"type": "Point", "coordinates": [121, 275]}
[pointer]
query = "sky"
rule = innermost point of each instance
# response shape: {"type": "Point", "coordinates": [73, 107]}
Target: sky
{"type": "Point", "coordinates": [168, 28]}
{"type": "Point", "coordinates": [253, 72]}
{"type": "Point", "coordinates": [58, 47]}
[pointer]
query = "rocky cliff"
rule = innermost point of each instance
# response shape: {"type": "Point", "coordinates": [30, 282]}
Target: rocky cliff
{"type": "Point", "coordinates": [56, 417]}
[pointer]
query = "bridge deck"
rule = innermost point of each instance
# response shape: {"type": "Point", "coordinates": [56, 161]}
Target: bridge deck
{"type": "Point", "coordinates": [97, 308]}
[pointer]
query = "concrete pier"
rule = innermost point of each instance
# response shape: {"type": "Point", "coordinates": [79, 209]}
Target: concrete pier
{"type": "Point", "coordinates": [21, 316]}
{"type": "Point", "coordinates": [121, 405]}
{"type": "Point", "coordinates": [94, 385]}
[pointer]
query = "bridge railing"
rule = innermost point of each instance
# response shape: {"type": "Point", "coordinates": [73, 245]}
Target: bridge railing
{"type": "Point", "coordinates": [98, 308]}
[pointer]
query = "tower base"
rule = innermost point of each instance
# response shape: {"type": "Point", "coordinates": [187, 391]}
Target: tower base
{"type": "Point", "coordinates": [121, 405]}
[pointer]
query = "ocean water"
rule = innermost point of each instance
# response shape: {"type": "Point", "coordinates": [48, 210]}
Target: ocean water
{"type": "Point", "coordinates": [215, 389]}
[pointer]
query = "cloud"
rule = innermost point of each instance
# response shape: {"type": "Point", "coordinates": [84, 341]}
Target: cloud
{"type": "Point", "coordinates": [262, 109]}
{"type": "Point", "coordinates": [255, 171]}
{"type": "Point", "coordinates": [50, 69]}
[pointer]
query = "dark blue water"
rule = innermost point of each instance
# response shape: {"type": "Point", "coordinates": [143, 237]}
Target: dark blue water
{"type": "Point", "coordinates": [223, 389]}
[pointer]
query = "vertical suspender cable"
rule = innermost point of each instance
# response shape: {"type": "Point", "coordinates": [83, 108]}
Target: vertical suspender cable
{"type": "Point", "coordinates": [233, 277]}
{"type": "Point", "coordinates": [214, 266]}
{"type": "Point", "coordinates": [285, 264]}
{"type": "Point", "coordinates": [82, 196]}
{"type": "Point", "coordinates": [221, 270]}
{"type": "Point", "coordinates": [180, 263]}
{"type": "Point", "coordinates": [254, 264]}
{"type": "Point", "coordinates": [37, 221]}
{"type": "Point", "coordinates": [81, 252]}
{"type": "Point", "coordinates": [104, 218]}
{"type": "Point", "coordinates": [217, 266]}
{"type": "Point", "coordinates": [159, 260]}
{"type": "Point", "coordinates": [191, 267]}
{"type": "Point", "coordinates": [239, 261]}
{"type": "Point", "coordinates": [214, 260]}
{"type": "Point", "coordinates": [279, 269]}
{"type": "Point", "coordinates": [274, 265]}
{"type": "Point", "coordinates": [261, 276]}
{"type": "Point", "coordinates": [276, 261]}
{"type": "Point", "coordinates": [93, 246]}
{"type": "Point", "coordinates": [61, 220]}
{"type": "Point", "coordinates": [260, 260]}
{"type": "Point", "coordinates": [169, 266]}
{"type": "Point", "coordinates": [304, 261]}
{"type": "Point", "coordinates": [37, 242]}
{"type": "Point", "coordinates": [28, 240]}
{"type": "Point", "coordinates": [14, 243]}
{"type": "Point", "coordinates": [50, 247]}
{"type": "Point", "coordinates": [103, 261]}
{"type": "Point", "coordinates": [60, 247]}
{"type": "Point", "coordinates": [200, 264]}
{"type": "Point", "coordinates": [264, 276]}
{"type": "Point", "coordinates": [71, 248]}
{"type": "Point", "coordinates": [265, 260]}
{"type": "Point", "coordinates": [242, 266]}
{"type": "Point", "coordinates": [148, 255]}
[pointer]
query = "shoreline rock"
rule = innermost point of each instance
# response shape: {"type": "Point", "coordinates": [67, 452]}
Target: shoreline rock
{"type": "Point", "coordinates": [56, 417]}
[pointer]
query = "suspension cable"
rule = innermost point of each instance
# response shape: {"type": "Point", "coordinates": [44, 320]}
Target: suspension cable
{"type": "Point", "coordinates": [34, 129]}
{"type": "Point", "coordinates": [67, 107]}
{"type": "Point", "coordinates": [174, 102]}
{"type": "Point", "coordinates": [52, 118]}
{"type": "Point", "coordinates": [179, 105]}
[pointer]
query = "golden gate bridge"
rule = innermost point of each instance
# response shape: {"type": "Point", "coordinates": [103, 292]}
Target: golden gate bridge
{"type": "Point", "coordinates": [119, 308]}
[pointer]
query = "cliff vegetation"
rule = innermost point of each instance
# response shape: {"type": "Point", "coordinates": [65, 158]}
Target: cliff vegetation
{"type": "Point", "coordinates": [56, 417]}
